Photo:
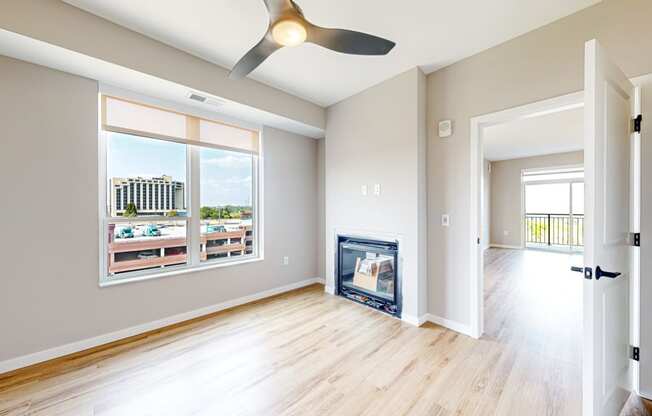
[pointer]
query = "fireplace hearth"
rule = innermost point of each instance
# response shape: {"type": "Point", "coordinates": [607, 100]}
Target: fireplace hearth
{"type": "Point", "coordinates": [367, 273]}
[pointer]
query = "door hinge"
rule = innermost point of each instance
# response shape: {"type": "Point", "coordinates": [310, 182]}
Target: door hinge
{"type": "Point", "coordinates": [636, 354]}
{"type": "Point", "coordinates": [636, 123]}
{"type": "Point", "coordinates": [635, 239]}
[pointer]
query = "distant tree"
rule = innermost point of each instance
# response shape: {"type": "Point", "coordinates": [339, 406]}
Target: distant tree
{"type": "Point", "coordinates": [209, 213]}
{"type": "Point", "coordinates": [131, 211]}
{"type": "Point", "coordinates": [172, 213]}
{"type": "Point", "coordinates": [225, 212]}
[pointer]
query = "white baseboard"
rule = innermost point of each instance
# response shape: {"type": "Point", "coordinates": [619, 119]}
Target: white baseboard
{"type": "Point", "coordinates": [329, 289]}
{"type": "Point", "coordinates": [56, 352]}
{"type": "Point", "coordinates": [452, 325]}
{"type": "Point", "coordinates": [414, 320]}
{"type": "Point", "coordinates": [505, 246]}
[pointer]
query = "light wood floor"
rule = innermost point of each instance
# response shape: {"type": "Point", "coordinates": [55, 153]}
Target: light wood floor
{"type": "Point", "coordinates": [308, 353]}
{"type": "Point", "coordinates": [637, 406]}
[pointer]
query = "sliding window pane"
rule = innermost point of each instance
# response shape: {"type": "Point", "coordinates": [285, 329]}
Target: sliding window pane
{"type": "Point", "coordinates": [146, 177]}
{"type": "Point", "coordinates": [578, 198]}
{"type": "Point", "coordinates": [146, 245]}
{"type": "Point", "coordinates": [547, 198]}
{"type": "Point", "coordinates": [578, 215]}
{"type": "Point", "coordinates": [226, 201]}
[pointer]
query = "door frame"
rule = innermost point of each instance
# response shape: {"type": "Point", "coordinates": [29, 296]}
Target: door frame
{"type": "Point", "coordinates": [478, 124]}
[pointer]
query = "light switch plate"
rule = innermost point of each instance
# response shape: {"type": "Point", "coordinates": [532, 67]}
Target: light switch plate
{"type": "Point", "coordinates": [377, 189]}
{"type": "Point", "coordinates": [363, 190]}
{"type": "Point", "coordinates": [445, 220]}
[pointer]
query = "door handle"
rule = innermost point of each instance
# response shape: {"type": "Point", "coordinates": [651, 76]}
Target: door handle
{"type": "Point", "coordinates": [599, 273]}
{"type": "Point", "coordinates": [587, 271]}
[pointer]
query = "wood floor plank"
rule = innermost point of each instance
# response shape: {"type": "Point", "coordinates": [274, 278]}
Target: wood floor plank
{"type": "Point", "coordinates": [310, 353]}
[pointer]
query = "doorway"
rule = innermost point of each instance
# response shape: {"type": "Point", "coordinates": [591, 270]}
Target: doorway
{"type": "Point", "coordinates": [612, 137]}
{"type": "Point", "coordinates": [532, 205]}
{"type": "Point", "coordinates": [503, 235]}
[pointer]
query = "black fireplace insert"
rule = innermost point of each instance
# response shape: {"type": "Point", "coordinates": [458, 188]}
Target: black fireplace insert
{"type": "Point", "coordinates": [367, 273]}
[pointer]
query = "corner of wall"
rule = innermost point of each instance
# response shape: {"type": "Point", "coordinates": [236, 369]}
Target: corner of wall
{"type": "Point", "coordinates": [422, 211]}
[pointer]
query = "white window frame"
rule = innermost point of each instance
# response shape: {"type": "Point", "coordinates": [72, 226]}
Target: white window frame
{"type": "Point", "coordinates": [193, 220]}
{"type": "Point", "coordinates": [533, 172]}
{"type": "Point", "coordinates": [544, 171]}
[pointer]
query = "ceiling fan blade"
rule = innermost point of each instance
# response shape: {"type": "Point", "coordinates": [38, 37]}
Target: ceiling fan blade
{"type": "Point", "coordinates": [277, 8]}
{"type": "Point", "coordinates": [349, 41]}
{"type": "Point", "coordinates": [254, 57]}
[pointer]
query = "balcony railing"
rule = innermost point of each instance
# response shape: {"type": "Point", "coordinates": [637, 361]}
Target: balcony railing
{"type": "Point", "coordinates": [554, 230]}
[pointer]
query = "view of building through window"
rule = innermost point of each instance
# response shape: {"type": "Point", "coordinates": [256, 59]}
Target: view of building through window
{"type": "Point", "coordinates": [148, 203]}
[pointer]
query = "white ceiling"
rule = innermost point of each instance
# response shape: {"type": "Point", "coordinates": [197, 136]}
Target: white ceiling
{"type": "Point", "coordinates": [558, 132]}
{"type": "Point", "coordinates": [429, 33]}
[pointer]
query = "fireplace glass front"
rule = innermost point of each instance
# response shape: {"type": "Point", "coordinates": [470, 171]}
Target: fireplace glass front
{"type": "Point", "coordinates": [368, 273]}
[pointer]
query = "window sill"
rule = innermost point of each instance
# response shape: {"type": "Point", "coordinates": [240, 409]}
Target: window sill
{"type": "Point", "coordinates": [180, 271]}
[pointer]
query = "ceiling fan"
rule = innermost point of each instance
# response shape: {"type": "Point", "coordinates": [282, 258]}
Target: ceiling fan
{"type": "Point", "coordinates": [288, 27]}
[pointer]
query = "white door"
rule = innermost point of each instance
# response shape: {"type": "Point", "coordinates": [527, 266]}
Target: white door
{"type": "Point", "coordinates": [609, 109]}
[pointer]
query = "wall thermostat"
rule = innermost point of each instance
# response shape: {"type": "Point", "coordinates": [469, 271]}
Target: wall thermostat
{"type": "Point", "coordinates": [445, 128]}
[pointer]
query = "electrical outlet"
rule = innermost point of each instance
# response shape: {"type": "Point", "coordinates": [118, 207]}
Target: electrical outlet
{"type": "Point", "coordinates": [286, 261]}
{"type": "Point", "coordinates": [505, 233]}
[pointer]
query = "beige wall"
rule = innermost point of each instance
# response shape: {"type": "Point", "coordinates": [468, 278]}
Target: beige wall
{"type": "Point", "coordinates": [541, 64]}
{"type": "Point", "coordinates": [60, 24]}
{"type": "Point", "coordinates": [372, 138]}
{"type": "Point", "coordinates": [506, 193]}
{"type": "Point", "coordinates": [49, 293]}
{"type": "Point", "coordinates": [59, 303]}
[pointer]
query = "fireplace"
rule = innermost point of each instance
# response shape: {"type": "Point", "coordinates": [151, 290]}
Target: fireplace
{"type": "Point", "coordinates": [367, 273]}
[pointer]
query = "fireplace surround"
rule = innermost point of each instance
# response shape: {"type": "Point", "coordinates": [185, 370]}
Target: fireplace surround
{"type": "Point", "coordinates": [367, 272]}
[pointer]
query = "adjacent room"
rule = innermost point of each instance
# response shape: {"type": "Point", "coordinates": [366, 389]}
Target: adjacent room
{"type": "Point", "coordinates": [532, 222]}
{"type": "Point", "coordinates": [304, 207]}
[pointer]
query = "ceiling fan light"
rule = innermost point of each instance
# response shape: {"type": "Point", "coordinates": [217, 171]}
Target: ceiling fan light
{"type": "Point", "coordinates": [289, 33]}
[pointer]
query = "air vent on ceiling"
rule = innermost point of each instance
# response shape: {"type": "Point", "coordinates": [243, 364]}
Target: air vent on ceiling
{"type": "Point", "coordinates": [197, 97]}
{"type": "Point", "coordinates": [215, 102]}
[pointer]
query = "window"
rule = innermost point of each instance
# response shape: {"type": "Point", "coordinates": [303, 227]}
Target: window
{"type": "Point", "coordinates": [225, 198]}
{"type": "Point", "coordinates": [554, 207]}
{"type": "Point", "coordinates": [181, 191]}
